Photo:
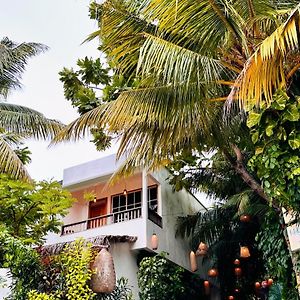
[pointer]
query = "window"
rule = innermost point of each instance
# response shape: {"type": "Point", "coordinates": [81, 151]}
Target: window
{"type": "Point", "coordinates": [133, 200]}
{"type": "Point", "coordinates": [152, 198]}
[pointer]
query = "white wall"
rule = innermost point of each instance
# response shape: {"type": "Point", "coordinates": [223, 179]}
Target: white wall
{"type": "Point", "coordinates": [126, 264]}
{"type": "Point", "coordinates": [174, 204]}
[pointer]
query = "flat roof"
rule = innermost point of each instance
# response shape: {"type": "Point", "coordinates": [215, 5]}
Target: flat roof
{"type": "Point", "coordinates": [90, 170]}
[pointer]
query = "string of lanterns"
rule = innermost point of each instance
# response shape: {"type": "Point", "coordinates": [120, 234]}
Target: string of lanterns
{"type": "Point", "coordinates": [213, 272]}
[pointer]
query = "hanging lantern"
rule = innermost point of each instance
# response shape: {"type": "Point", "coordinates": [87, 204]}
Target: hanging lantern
{"type": "Point", "coordinates": [202, 249]}
{"type": "Point", "coordinates": [237, 291]}
{"type": "Point", "coordinates": [245, 218]}
{"type": "Point", "coordinates": [206, 287]}
{"type": "Point", "coordinates": [230, 297]}
{"type": "Point", "coordinates": [236, 262]}
{"type": "Point", "coordinates": [193, 261]}
{"type": "Point", "coordinates": [125, 192]}
{"type": "Point", "coordinates": [257, 285]}
{"type": "Point", "coordinates": [238, 272]}
{"type": "Point", "coordinates": [244, 252]}
{"type": "Point", "coordinates": [213, 273]}
{"type": "Point", "coordinates": [154, 241]}
{"type": "Point", "coordinates": [270, 281]}
{"type": "Point", "coordinates": [264, 284]}
{"type": "Point", "coordinates": [104, 277]}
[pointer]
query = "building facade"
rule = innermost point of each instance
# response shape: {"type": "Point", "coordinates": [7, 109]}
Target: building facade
{"type": "Point", "coordinates": [126, 213]}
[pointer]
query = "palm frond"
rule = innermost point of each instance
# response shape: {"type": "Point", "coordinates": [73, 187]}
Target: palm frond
{"type": "Point", "coordinates": [174, 64]}
{"type": "Point", "coordinates": [208, 226]}
{"type": "Point", "coordinates": [10, 162]}
{"type": "Point", "coordinates": [13, 59]}
{"type": "Point", "coordinates": [121, 33]}
{"type": "Point", "coordinates": [197, 25]}
{"type": "Point", "coordinates": [264, 71]}
{"type": "Point", "coordinates": [27, 122]}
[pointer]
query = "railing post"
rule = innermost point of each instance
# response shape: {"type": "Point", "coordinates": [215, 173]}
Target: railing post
{"type": "Point", "coordinates": [144, 195]}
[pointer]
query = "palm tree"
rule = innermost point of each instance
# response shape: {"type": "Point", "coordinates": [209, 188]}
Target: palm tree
{"type": "Point", "coordinates": [189, 57]}
{"type": "Point", "coordinates": [18, 122]}
{"type": "Point", "coordinates": [192, 61]}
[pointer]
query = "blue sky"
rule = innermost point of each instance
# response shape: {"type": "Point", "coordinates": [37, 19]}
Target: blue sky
{"type": "Point", "coordinates": [62, 25]}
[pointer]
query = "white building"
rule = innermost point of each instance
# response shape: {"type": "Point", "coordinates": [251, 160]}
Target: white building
{"type": "Point", "coordinates": [120, 214]}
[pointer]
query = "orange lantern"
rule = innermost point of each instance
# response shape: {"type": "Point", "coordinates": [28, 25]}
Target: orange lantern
{"type": "Point", "coordinates": [193, 261]}
{"type": "Point", "coordinates": [154, 241]}
{"type": "Point", "coordinates": [270, 281]}
{"type": "Point", "coordinates": [245, 218]}
{"type": "Point", "coordinates": [257, 285]}
{"type": "Point", "coordinates": [244, 252]}
{"type": "Point", "coordinates": [206, 287]}
{"type": "Point", "coordinates": [230, 297]}
{"type": "Point", "coordinates": [236, 262]}
{"type": "Point", "coordinates": [264, 284]}
{"type": "Point", "coordinates": [202, 249]}
{"type": "Point", "coordinates": [238, 271]}
{"type": "Point", "coordinates": [213, 273]}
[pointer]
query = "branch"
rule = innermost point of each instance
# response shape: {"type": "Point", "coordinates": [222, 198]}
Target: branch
{"type": "Point", "coordinates": [238, 165]}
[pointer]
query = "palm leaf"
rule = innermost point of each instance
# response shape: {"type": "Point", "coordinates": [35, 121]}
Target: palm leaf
{"type": "Point", "coordinates": [264, 71]}
{"type": "Point", "coordinates": [27, 122]}
{"type": "Point", "coordinates": [13, 58]}
{"type": "Point", "coordinates": [174, 64]}
{"type": "Point", "coordinates": [10, 162]}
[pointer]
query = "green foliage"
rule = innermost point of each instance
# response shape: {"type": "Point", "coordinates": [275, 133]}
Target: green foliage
{"type": "Point", "coordinates": [275, 131]}
{"type": "Point", "coordinates": [34, 295]}
{"type": "Point", "coordinates": [23, 263]}
{"type": "Point", "coordinates": [276, 256]}
{"type": "Point", "coordinates": [75, 261]}
{"type": "Point", "coordinates": [30, 210]}
{"type": "Point", "coordinates": [121, 292]}
{"type": "Point", "coordinates": [159, 279]}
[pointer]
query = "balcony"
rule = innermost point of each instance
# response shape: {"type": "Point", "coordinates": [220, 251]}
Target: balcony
{"type": "Point", "coordinates": [110, 219]}
{"type": "Point", "coordinates": [100, 221]}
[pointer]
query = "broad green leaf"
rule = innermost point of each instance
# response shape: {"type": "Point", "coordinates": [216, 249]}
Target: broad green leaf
{"type": "Point", "coordinates": [253, 119]}
{"type": "Point", "coordinates": [291, 114]}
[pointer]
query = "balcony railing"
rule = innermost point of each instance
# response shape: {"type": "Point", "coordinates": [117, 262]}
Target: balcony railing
{"type": "Point", "coordinates": [113, 218]}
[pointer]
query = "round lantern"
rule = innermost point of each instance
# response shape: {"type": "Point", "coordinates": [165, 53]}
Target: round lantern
{"type": "Point", "coordinates": [245, 218]}
{"type": "Point", "coordinates": [206, 287]}
{"type": "Point", "coordinates": [244, 252]}
{"type": "Point", "coordinates": [264, 284]}
{"type": "Point", "coordinates": [230, 297]}
{"type": "Point", "coordinates": [237, 291]}
{"type": "Point", "coordinates": [213, 273]}
{"type": "Point", "coordinates": [257, 285]}
{"type": "Point", "coordinates": [193, 261]}
{"type": "Point", "coordinates": [238, 271]}
{"type": "Point", "coordinates": [202, 249]}
{"type": "Point", "coordinates": [104, 277]}
{"type": "Point", "coordinates": [270, 281]}
{"type": "Point", "coordinates": [154, 241]}
{"type": "Point", "coordinates": [236, 262]}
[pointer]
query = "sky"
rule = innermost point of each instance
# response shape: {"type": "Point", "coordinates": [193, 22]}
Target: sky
{"type": "Point", "coordinates": [62, 25]}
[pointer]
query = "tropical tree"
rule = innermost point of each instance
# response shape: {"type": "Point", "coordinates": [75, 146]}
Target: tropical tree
{"type": "Point", "coordinates": [18, 122]}
{"type": "Point", "coordinates": [188, 58]}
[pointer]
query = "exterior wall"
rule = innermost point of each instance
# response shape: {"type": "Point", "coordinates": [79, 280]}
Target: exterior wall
{"type": "Point", "coordinates": [126, 265]}
{"type": "Point", "coordinates": [174, 204]}
{"type": "Point", "coordinates": [4, 290]}
{"type": "Point", "coordinates": [79, 211]}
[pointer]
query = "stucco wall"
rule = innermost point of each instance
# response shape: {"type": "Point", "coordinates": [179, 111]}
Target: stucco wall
{"type": "Point", "coordinates": [174, 204]}
{"type": "Point", "coordinates": [79, 211]}
{"type": "Point", "coordinates": [126, 265]}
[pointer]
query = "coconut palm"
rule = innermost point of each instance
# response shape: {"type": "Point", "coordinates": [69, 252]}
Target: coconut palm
{"type": "Point", "coordinates": [18, 122]}
{"type": "Point", "coordinates": [188, 57]}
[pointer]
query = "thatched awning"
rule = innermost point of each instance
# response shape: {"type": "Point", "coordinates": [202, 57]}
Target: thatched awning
{"type": "Point", "coordinates": [98, 241]}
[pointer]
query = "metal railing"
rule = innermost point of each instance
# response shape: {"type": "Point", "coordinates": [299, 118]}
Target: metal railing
{"type": "Point", "coordinates": [117, 217]}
